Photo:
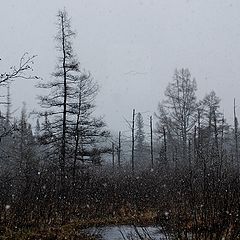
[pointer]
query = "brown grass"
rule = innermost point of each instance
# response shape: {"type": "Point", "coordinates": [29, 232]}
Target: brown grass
{"type": "Point", "coordinates": [73, 230]}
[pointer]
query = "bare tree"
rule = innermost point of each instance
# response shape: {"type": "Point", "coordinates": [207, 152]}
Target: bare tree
{"type": "Point", "coordinates": [178, 112]}
{"type": "Point", "coordinates": [21, 71]}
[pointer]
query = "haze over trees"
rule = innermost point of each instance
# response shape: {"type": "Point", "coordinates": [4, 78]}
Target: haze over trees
{"type": "Point", "coordinates": [182, 172]}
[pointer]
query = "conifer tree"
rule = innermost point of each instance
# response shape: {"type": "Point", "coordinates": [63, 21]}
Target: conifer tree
{"type": "Point", "coordinates": [140, 146]}
{"type": "Point", "coordinates": [69, 106]}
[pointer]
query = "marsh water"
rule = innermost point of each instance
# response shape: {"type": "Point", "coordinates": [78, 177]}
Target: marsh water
{"type": "Point", "coordinates": [127, 232]}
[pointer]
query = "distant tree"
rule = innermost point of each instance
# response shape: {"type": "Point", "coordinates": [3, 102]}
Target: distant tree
{"type": "Point", "coordinates": [8, 105]}
{"type": "Point", "coordinates": [236, 134]}
{"type": "Point", "coordinates": [37, 129]}
{"type": "Point", "coordinates": [140, 134]}
{"type": "Point", "coordinates": [213, 128]}
{"type": "Point", "coordinates": [178, 112]}
{"type": "Point", "coordinates": [23, 70]}
{"type": "Point", "coordinates": [140, 145]}
{"type": "Point", "coordinates": [25, 149]}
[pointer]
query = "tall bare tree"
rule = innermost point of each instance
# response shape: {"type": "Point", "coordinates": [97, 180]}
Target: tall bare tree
{"type": "Point", "coordinates": [178, 112]}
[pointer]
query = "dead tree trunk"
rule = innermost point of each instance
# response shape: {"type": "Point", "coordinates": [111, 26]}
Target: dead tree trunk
{"type": "Point", "coordinates": [236, 132]}
{"type": "Point", "coordinates": [151, 133]}
{"type": "Point", "coordinates": [133, 139]}
{"type": "Point", "coordinates": [119, 149]}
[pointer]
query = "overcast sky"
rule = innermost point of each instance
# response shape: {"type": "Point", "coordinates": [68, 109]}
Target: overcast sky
{"type": "Point", "coordinates": [131, 47]}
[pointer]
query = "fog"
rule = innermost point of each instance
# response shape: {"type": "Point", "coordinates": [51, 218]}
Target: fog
{"type": "Point", "coordinates": [130, 47]}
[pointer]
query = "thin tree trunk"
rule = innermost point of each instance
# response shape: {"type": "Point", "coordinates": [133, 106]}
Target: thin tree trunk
{"type": "Point", "coordinates": [113, 156]}
{"type": "Point", "coordinates": [63, 145]}
{"type": "Point", "coordinates": [236, 134]}
{"type": "Point", "coordinates": [133, 139]}
{"type": "Point", "coordinates": [151, 133]}
{"type": "Point", "coordinates": [119, 149]}
{"type": "Point", "coordinates": [77, 134]}
{"type": "Point", "coordinates": [165, 145]}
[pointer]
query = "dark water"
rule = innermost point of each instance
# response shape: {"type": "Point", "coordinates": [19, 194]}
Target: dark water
{"type": "Point", "coordinates": [127, 232]}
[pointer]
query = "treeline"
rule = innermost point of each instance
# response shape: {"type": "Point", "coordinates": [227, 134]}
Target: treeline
{"type": "Point", "coordinates": [202, 150]}
{"type": "Point", "coordinates": [186, 178]}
